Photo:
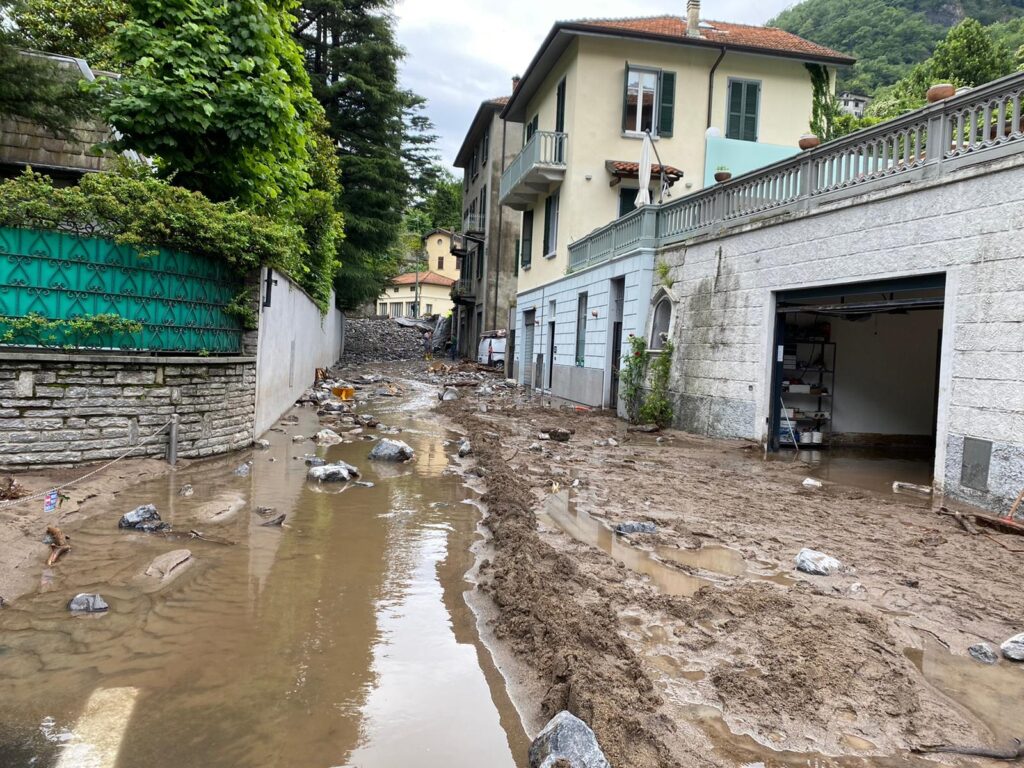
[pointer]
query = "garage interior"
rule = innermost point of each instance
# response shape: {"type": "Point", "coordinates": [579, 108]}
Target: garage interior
{"type": "Point", "coordinates": [855, 384]}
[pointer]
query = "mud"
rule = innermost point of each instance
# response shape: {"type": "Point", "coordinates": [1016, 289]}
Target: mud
{"type": "Point", "coordinates": [700, 644]}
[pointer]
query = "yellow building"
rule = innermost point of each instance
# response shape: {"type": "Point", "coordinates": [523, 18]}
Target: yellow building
{"type": "Point", "coordinates": [425, 292]}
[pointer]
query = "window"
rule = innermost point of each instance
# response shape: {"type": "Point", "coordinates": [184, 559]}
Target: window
{"type": "Point", "coordinates": [410, 309]}
{"type": "Point", "coordinates": [744, 101]}
{"type": "Point", "coordinates": [560, 107]}
{"type": "Point", "coordinates": [396, 309]}
{"type": "Point", "coordinates": [440, 263]}
{"type": "Point", "coordinates": [479, 262]}
{"type": "Point", "coordinates": [396, 289]}
{"type": "Point", "coordinates": [430, 309]}
{"type": "Point", "coordinates": [648, 101]}
{"type": "Point", "coordinates": [531, 128]}
{"type": "Point", "coordinates": [526, 248]}
{"type": "Point", "coordinates": [551, 225]}
{"type": "Point", "coordinates": [440, 241]}
{"type": "Point", "coordinates": [660, 325]}
{"type": "Point", "coordinates": [458, 263]}
{"type": "Point", "coordinates": [627, 200]}
{"type": "Point", "coordinates": [581, 330]}
{"type": "Point", "coordinates": [382, 308]}
{"type": "Point", "coordinates": [483, 207]}
{"type": "Point", "coordinates": [485, 147]}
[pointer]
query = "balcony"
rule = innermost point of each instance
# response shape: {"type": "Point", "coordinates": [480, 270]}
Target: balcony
{"type": "Point", "coordinates": [464, 292]}
{"type": "Point", "coordinates": [536, 169]}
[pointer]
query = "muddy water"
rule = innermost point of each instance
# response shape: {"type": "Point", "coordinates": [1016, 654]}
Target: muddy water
{"type": "Point", "coordinates": [342, 639]}
{"type": "Point", "coordinates": [870, 469]}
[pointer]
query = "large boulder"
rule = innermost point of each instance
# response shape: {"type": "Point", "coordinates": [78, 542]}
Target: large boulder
{"type": "Point", "coordinates": [327, 437]}
{"type": "Point", "coordinates": [391, 450]}
{"type": "Point", "coordinates": [87, 603]}
{"type": "Point", "coordinates": [817, 563]}
{"type": "Point", "coordinates": [144, 518]}
{"type": "Point", "coordinates": [449, 394]}
{"type": "Point", "coordinates": [567, 740]}
{"type": "Point", "coordinates": [1013, 649]}
{"type": "Point", "coordinates": [636, 528]}
{"type": "Point", "coordinates": [984, 653]}
{"type": "Point", "coordinates": [465, 447]}
{"type": "Point", "coordinates": [339, 472]}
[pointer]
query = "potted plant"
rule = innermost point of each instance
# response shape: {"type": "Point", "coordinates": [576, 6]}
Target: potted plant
{"type": "Point", "coordinates": [940, 91]}
{"type": "Point", "coordinates": [808, 141]}
{"type": "Point", "coordinates": [722, 173]}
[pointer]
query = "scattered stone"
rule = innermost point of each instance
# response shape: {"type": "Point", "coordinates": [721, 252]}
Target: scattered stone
{"type": "Point", "coordinates": [391, 450]}
{"type": "Point", "coordinates": [243, 470]}
{"type": "Point", "coordinates": [261, 444]}
{"type": "Point", "coordinates": [315, 461]}
{"type": "Point", "coordinates": [912, 583]}
{"type": "Point", "coordinates": [984, 653]}
{"type": "Point", "coordinates": [380, 340]}
{"type": "Point", "coordinates": [623, 528]}
{"type": "Point", "coordinates": [648, 428]}
{"type": "Point", "coordinates": [2, 602]}
{"type": "Point", "coordinates": [168, 566]}
{"type": "Point", "coordinates": [449, 394]}
{"type": "Point", "coordinates": [612, 442]}
{"type": "Point", "coordinates": [567, 740]}
{"type": "Point", "coordinates": [185, 490]}
{"type": "Point", "coordinates": [559, 435]}
{"type": "Point", "coordinates": [385, 391]}
{"type": "Point", "coordinates": [1013, 649]}
{"type": "Point", "coordinates": [536, 447]}
{"type": "Point", "coordinates": [265, 511]}
{"type": "Point", "coordinates": [144, 518]}
{"type": "Point", "coordinates": [88, 603]}
{"type": "Point", "coordinates": [299, 439]}
{"type": "Point", "coordinates": [339, 472]}
{"type": "Point", "coordinates": [327, 437]}
{"type": "Point", "coordinates": [364, 484]}
{"type": "Point", "coordinates": [277, 522]}
{"type": "Point", "coordinates": [810, 482]}
{"type": "Point", "coordinates": [465, 448]}
{"type": "Point", "coordinates": [817, 563]}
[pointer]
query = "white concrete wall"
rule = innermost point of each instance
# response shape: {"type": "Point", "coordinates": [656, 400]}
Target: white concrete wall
{"type": "Point", "coordinates": [294, 340]}
{"type": "Point", "coordinates": [966, 225]}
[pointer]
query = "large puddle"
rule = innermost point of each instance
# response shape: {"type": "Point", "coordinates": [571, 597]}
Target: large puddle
{"type": "Point", "coordinates": [342, 639]}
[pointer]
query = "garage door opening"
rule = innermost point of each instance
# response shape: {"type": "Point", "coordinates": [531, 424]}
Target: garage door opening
{"type": "Point", "coordinates": [856, 379]}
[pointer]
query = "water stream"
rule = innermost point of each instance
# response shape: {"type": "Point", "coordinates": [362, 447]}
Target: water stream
{"type": "Point", "coordinates": [342, 639]}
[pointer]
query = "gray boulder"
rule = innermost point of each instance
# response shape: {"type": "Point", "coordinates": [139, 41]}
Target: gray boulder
{"type": "Point", "coordinates": [465, 448]}
{"type": "Point", "coordinates": [391, 450]}
{"type": "Point", "coordinates": [186, 490]}
{"type": "Point", "coordinates": [327, 437]}
{"type": "Point", "coordinates": [243, 470]}
{"type": "Point", "coordinates": [1013, 649]}
{"type": "Point", "coordinates": [449, 394]}
{"type": "Point", "coordinates": [984, 653]}
{"type": "Point", "coordinates": [559, 435]}
{"type": "Point", "coordinates": [261, 444]}
{"type": "Point", "coordinates": [817, 563]}
{"type": "Point", "coordinates": [567, 738]}
{"type": "Point", "coordinates": [636, 528]}
{"type": "Point", "coordinates": [315, 461]}
{"type": "Point", "coordinates": [87, 603]}
{"type": "Point", "coordinates": [339, 472]}
{"type": "Point", "coordinates": [144, 518]}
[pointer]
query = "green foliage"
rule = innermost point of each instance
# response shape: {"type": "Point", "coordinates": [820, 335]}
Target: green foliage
{"type": "Point", "coordinates": [77, 333]}
{"type": "Point", "coordinates": [73, 28]}
{"type": "Point", "coordinates": [968, 56]}
{"type": "Point", "coordinates": [664, 273]}
{"type": "Point", "coordinates": [36, 89]}
{"type": "Point", "coordinates": [443, 205]}
{"type": "Point", "coordinates": [216, 92]}
{"type": "Point", "coordinates": [657, 408]}
{"type": "Point", "coordinates": [632, 376]}
{"type": "Point", "coordinates": [824, 107]}
{"type": "Point", "coordinates": [888, 37]}
{"type": "Point", "coordinates": [242, 307]}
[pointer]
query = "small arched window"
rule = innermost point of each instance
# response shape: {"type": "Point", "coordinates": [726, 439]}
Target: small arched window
{"type": "Point", "coordinates": [660, 325]}
{"type": "Point", "coordinates": [440, 241]}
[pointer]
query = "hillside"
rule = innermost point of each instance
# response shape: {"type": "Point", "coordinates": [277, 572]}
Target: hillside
{"type": "Point", "coordinates": [889, 36]}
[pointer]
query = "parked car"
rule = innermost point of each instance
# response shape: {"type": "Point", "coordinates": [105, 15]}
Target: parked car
{"type": "Point", "coordinates": [492, 348]}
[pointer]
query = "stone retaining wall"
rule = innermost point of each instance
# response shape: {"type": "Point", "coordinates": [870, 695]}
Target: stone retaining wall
{"type": "Point", "coordinates": [68, 409]}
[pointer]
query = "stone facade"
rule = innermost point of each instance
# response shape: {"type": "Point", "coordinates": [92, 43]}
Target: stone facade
{"type": "Point", "coordinates": [58, 409]}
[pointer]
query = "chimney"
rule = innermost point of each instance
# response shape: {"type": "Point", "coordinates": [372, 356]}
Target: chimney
{"type": "Point", "coordinates": [515, 82]}
{"type": "Point", "coordinates": [693, 18]}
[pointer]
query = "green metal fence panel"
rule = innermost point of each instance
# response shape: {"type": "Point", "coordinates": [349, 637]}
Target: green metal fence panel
{"type": "Point", "coordinates": [178, 298]}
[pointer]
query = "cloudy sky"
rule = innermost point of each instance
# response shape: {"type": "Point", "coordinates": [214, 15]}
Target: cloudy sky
{"type": "Point", "coordinates": [462, 52]}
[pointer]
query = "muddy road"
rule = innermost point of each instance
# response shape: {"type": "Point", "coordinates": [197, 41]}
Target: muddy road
{"type": "Point", "coordinates": [340, 639]}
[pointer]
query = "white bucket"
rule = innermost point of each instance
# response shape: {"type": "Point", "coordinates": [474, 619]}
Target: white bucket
{"type": "Point", "coordinates": [816, 438]}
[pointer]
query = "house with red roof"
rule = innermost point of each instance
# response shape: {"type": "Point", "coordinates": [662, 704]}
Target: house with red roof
{"type": "Point", "coordinates": [708, 93]}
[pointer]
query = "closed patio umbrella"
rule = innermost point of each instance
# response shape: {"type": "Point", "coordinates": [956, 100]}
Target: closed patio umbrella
{"type": "Point", "coordinates": [643, 196]}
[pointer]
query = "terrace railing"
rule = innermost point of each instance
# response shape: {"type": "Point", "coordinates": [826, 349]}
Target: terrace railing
{"type": "Point", "coordinates": [980, 125]}
{"type": "Point", "coordinates": [545, 149]}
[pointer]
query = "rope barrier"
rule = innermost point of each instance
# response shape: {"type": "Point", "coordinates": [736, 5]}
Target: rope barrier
{"type": "Point", "coordinates": [41, 494]}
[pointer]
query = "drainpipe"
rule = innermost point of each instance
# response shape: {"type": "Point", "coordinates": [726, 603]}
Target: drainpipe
{"type": "Point", "coordinates": [711, 83]}
{"type": "Point", "coordinates": [501, 217]}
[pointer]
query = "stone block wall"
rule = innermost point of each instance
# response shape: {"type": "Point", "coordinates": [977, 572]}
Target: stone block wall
{"type": "Point", "coordinates": [58, 409]}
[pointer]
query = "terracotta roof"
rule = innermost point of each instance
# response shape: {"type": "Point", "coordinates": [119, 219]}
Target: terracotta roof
{"type": "Point", "coordinates": [769, 39]}
{"type": "Point", "coordinates": [629, 170]}
{"type": "Point", "coordinates": [427, 278]}
{"type": "Point", "coordinates": [500, 101]}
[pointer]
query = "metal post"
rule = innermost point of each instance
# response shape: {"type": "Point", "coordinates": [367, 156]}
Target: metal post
{"type": "Point", "coordinates": [172, 442]}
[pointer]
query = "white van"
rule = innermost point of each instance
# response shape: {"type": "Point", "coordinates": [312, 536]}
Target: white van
{"type": "Point", "coordinates": [492, 348]}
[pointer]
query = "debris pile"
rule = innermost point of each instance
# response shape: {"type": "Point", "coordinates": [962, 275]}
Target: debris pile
{"type": "Point", "coordinates": [372, 341]}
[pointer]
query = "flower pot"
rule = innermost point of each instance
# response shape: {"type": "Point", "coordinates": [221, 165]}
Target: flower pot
{"type": "Point", "coordinates": [723, 175]}
{"type": "Point", "coordinates": [809, 141]}
{"type": "Point", "coordinates": [940, 91]}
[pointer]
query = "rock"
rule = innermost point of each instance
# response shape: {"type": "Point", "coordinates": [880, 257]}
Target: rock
{"type": "Point", "coordinates": [299, 439]}
{"type": "Point", "coordinates": [142, 518]}
{"type": "Point", "coordinates": [817, 563]}
{"type": "Point", "coordinates": [1013, 649]}
{"type": "Point", "coordinates": [265, 511]}
{"type": "Point", "coordinates": [465, 448]}
{"type": "Point", "coordinates": [261, 444]}
{"type": "Point", "coordinates": [88, 603]}
{"type": "Point", "coordinates": [327, 437]}
{"type": "Point", "coordinates": [168, 566]}
{"type": "Point", "coordinates": [375, 340]}
{"type": "Point", "coordinates": [984, 653]}
{"type": "Point", "coordinates": [810, 482]}
{"type": "Point", "coordinates": [277, 522]}
{"type": "Point", "coordinates": [185, 490]}
{"type": "Point", "coordinates": [644, 428]}
{"type": "Point", "coordinates": [659, 440]}
{"type": "Point", "coordinates": [567, 740]}
{"type": "Point", "coordinates": [559, 435]}
{"type": "Point", "coordinates": [339, 472]}
{"type": "Point", "coordinates": [449, 394]}
{"type": "Point", "coordinates": [622, 528]}
{"type": "Point", "coordinates": [536, 447]}
{"type": "Point", "coordinates": [612, 442]}
{"type": "Point", "coordinates": [385, 391]}
{"type": "Point", "coordinates": [315, 461]}
{"type": "Point", "coordinates": [243, 470]}
{"type": "Point", "coordinates": [391, 450]}
{"type": "Point", "coordinates": [365, 484]}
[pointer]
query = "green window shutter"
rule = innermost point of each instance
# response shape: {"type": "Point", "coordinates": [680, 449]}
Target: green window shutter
{"type": "Point", "coordinates": [547, 226]}
{"type": "Point", "coordinates": [744, 102]}
{"type": "Point", "coordinates": [625, 97]}
{"type": "Point", "coordinates": [560, 107]}
{"type": "Point", "coordinates": [750, 109]}
{"type": "Point", "coordinates": [515, 264]}
{"type": "Point", "coordinates": [627, 201]}
{"type": "Point", "coordinates": [667, 107]}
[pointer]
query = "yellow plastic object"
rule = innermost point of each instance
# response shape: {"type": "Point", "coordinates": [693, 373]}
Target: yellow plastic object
{"type": "Point", "coordinates": [346, 394]}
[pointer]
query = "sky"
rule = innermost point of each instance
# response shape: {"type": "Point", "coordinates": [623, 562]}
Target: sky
{"type": "Point", "coordinates": [463, 52]}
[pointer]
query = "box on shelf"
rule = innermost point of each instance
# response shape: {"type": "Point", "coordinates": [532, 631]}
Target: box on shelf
{"type": "Point", "coordinates": [800, 389]}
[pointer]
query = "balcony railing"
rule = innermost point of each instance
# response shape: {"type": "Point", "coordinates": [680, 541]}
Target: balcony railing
{"type": "Point", "coordinates": [540, 165]}
{"type": "Point", "coordinates": [978, 126]}
{"type": "Point", "coordinates": [474, 224]}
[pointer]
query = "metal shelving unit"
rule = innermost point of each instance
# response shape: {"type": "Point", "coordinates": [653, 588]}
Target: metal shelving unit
{"type": "Point", "coordinates": [809, 365]}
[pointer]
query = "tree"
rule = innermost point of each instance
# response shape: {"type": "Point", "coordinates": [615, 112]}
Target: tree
{"type": "Point", "coordinates": [73, 28]}
{"type": "Point", "coordinates": [444, 203]}
{"type": "Point", "coordinates": [36, 89]}
{"type": "Point", "coordinates": [216, 92]}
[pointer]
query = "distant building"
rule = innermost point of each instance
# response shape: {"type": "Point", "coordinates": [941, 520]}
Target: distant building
{"type": "Point", "coordinates": [425, 292]}
{"type": "Point", "coordinates": [489, 239]}
{"type": "Point", "coordinates": [853, 103]}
